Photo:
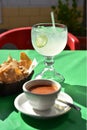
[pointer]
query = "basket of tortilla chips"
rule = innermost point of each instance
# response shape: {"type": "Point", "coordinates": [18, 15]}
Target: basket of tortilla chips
{"type": "Point", "coordinates": [13, 74]}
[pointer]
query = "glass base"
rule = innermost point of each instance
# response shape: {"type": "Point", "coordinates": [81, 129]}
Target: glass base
{"type": "Point", "coordinates": [50, 74]}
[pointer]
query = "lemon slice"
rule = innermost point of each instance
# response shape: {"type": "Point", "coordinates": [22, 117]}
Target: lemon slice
{"type": "Point", "coordinates": [41, 41]}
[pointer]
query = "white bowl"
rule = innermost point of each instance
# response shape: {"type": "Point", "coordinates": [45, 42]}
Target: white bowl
{"type": "Point", "coordinates": [41, 101]}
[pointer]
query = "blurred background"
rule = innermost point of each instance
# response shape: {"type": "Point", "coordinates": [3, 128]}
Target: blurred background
{"type": "Point", "coordinates": [17, 13]}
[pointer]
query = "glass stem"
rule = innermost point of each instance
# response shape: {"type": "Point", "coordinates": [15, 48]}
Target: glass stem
{"type": "Point", "coordinates": [49, 63]}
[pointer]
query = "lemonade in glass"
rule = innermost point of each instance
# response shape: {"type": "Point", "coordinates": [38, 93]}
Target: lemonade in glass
{"type": "Point", "coordinates": [49, 41]}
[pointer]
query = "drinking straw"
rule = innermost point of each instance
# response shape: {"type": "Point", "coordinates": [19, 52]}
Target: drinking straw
{"type": "Point", "coordinates": [52, 18]}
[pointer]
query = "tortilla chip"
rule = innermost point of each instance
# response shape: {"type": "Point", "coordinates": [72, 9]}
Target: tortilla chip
{"type": "Point", "coordinates": [13, 70]}
{"type": "Point", "coordinates": [26, 59]}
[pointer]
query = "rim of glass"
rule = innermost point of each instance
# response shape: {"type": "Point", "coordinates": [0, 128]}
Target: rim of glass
{"type": "Point", "coordinates": [50, 24]}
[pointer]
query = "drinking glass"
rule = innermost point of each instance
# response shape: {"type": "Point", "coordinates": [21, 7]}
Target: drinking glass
{"type": "Point", "coordinates": [49, 41]}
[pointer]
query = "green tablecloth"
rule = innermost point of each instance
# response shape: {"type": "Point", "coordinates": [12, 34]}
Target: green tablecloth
{"type": "Point", "coordinates": [72, 65]}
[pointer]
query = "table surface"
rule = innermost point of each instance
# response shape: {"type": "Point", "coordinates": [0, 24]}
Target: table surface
{"type": "Point", "coordinates": [72, 65]}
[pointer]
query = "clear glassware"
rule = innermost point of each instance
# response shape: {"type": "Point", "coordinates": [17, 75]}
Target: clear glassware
{"type": "Point", "coordinates": [49, 41]}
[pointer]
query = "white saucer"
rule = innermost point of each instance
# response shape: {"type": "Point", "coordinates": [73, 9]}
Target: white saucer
{"type": "Point", "coordinates": [21, 103]}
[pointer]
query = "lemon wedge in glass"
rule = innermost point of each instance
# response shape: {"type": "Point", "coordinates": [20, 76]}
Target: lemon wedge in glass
{"type": "Point", "coordinates": [41, 41]}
